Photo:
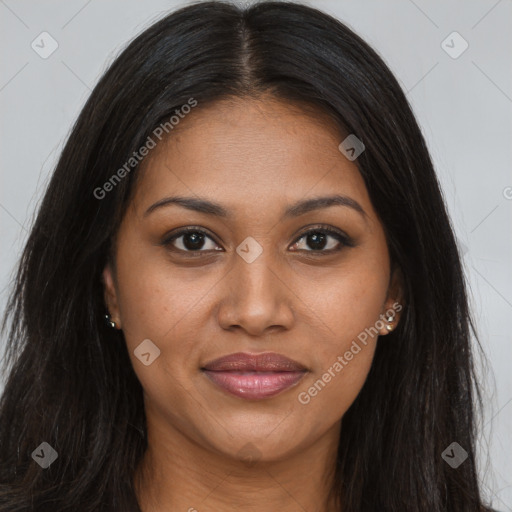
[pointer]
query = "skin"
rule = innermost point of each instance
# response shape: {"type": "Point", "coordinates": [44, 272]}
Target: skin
{"type": "Point", "coordinates": [255, 157]}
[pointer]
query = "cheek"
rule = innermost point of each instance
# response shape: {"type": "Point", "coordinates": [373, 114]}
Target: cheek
{"type": "Point", "coordinates": [163, 306]}
{"type": "Point", "coordinates": [349, 304]}
{"type": "Point", "coordinates": [342, 360]}
{"type": "Point", "coordinates": [154, 306]}
{"type": "Point", "coordinates": [348, 301]}
{"type": "Point", "coordinates": [330, 392]}
{"type": "Point", "coordinates": [156, 299]}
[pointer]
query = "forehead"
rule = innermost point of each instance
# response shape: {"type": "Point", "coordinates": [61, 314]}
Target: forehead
{"type": "Point", "coordinates": [247, 150]}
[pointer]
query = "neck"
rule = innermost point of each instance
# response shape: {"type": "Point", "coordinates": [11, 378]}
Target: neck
{"type": "Point", "coordinates": [177, 473]}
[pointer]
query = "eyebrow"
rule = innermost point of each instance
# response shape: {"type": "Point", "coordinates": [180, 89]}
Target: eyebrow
{"type": "Point", "coordinates": [300, 208]}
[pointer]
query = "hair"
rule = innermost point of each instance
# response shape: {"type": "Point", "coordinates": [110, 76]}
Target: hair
{"type": "Point", "coordinates": [70, 381]}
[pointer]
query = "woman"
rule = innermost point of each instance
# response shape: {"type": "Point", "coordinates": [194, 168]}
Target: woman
{"type": "Point", "coordinates": [242, 289]}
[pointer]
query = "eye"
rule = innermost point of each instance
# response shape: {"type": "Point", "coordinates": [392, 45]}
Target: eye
{"type": "Point", "coordinates": [323, 239]}
{"type": "Point", "coordinates": [191, 239]}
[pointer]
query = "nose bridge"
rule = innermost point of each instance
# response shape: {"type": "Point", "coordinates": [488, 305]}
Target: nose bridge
{"type": "Point", "coordinates": [257, 297]}
{"type": "Point", "coordinates": [256, 280]}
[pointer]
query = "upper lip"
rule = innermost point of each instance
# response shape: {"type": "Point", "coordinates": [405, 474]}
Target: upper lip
{"type": "Point", "coordinates": [263, 362]}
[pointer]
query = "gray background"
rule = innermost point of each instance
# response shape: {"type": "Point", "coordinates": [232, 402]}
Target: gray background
{"type": "Point", "coordinates": [463, 105]}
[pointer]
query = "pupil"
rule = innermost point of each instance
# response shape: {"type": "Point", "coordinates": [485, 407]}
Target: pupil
{"type": "Point", "coordinates": [316, 239]}
{"type": "Point", "coordinates": [196, 240]}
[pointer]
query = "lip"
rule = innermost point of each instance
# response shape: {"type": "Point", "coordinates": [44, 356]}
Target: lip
{"type": "Point", "coordinates": [247, 362]}
{"type": "Point", "coordinates": [254, 376]}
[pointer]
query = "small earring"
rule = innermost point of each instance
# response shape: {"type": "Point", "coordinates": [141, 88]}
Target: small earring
{"type": "Point", "coordinates": [390, 319]}
{"type": "Point", "coordinates": [110, 322]}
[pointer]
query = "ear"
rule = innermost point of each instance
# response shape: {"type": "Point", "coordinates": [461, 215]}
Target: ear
{"type": "Point", "coordinates": [394, 302]}
{"type": "Point", "coordinates": [110, 295]}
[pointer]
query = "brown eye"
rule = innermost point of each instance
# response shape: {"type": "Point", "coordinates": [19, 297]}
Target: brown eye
{"type": "Point", "coordinates": [322, 240]}
{"type": "Point", "coordinates": [191, 240]}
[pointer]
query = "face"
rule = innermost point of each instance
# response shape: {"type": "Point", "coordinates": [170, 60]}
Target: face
{"type": "Point", "coordinates": [262, 271]}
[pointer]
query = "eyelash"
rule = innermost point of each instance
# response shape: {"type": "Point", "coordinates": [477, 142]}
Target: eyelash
{"type": "Point", "coordinates": [343, 239]}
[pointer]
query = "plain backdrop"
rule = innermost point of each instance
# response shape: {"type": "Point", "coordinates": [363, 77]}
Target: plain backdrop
{"type": "Point", "coordinates": [463, 104]}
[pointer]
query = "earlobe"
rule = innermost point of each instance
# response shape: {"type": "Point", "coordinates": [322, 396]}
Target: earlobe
{"type": "Point", "coordinates": [394, 305]}
{"type": "Point", "coordinates": [387, 321]}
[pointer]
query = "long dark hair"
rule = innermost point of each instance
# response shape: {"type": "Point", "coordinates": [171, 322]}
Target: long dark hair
{"type": "Point", "coordinates": [70, 382]}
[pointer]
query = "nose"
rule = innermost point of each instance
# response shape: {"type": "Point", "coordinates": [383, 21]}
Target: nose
{"type": "Point", "coordinates": [256, 297]}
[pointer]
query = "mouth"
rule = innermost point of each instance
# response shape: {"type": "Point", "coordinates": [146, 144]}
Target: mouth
{"type": "Point", "coordinates": [254, 376]}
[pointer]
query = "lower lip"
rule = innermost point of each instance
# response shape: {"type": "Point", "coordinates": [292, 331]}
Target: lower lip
{"type": "Point", "coordinates": [254, 385]}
